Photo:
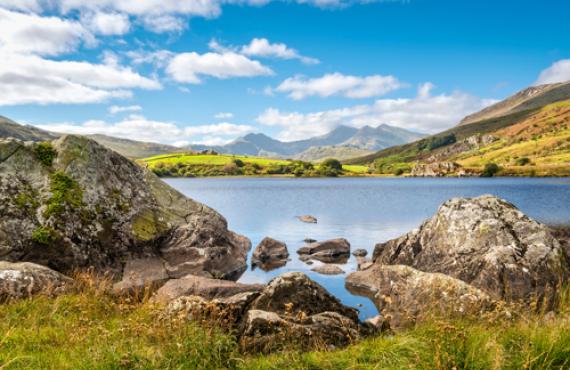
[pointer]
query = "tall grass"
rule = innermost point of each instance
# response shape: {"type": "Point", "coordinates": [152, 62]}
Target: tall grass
{"type": "Point", "coordinates": [89, 329]}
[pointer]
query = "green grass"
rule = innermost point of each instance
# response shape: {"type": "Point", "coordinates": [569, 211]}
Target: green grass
{"type": "Point", "coordinates": [209, 159]}
{"type": "Point", "coordinates": [89, 329]}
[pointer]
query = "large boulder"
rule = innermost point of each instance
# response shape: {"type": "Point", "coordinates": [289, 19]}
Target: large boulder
{"type": "Point", "coordinates": [141, 274]}
{"type": "Point", "coordinates": [24, 279]}
{"type": "Point", "coordinates": [201, 286]}
{"type": "Point", "coordinates": [405, 295]}
{"type": "Point", "coordinates": [486, 242]}
{"type": "Point", "coordinates": [73, 204]}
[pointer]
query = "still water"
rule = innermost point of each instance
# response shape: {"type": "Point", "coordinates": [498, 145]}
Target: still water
{"type": "Point", "coordinates": [365, 211]}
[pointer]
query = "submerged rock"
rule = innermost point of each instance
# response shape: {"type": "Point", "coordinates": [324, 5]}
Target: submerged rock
{"type": "Point", "coordinates": [486, 242]}
{"type": "Point", "coordinates": [74, 204]}
{"type": "Point", "coordinates": [308, 219]}
{"type": "Point", "coordinates": [328, 270]}
{"type": "Point", "coordinates": [24, 279]}
{"type": "Point", "coordinates": [405, 295]}
{"type": "Point", "coordinates": [270, 250]}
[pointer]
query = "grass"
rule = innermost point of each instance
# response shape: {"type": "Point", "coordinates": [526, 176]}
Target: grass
{"type": "Point", "coordinates": [190, 165]}
{"type": "Point", "coordinates": [88, 329]}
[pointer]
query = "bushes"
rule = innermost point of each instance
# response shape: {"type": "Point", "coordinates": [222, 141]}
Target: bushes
{"type": "Point", "coordinates": [490, 170]}
{"type": "Point", "coordinates": [522, 161]}
{"type": "Point", "coordinates": [45, 153]}
{"type": "Point", "coordinates": [435, 142]}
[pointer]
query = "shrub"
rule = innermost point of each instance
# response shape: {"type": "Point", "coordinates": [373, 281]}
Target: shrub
{"type": "Point", "coordinates": [238, 162]}
{"type": "Point", "coordinates": [490, 170]}
{"type": "Point", "coordinates": [332, 163]}
{"type": "Point", "coordinates": [45, 153]}
{"type": "Point", "coordinates": [65, 191]}
{"type": "Point", "coordinates": [522, 161]}
{"type": "Point", "coordinates": [44, 235]}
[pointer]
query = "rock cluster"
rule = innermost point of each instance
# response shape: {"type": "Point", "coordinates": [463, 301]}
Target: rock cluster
{"type": "Point", "coordinates": [471, 251]}
{"type": "Point", "coordinates": [73, 204]}
{"type": "Point", "coordinates": [291, 310]}
{"type": "Point", "coordinates": [436, 169]}
{"type": "Point", "coordinates": [329, 251]}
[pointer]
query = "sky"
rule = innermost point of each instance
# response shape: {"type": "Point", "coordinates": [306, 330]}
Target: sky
{"type": "Point", "coordinates": [208, 71]}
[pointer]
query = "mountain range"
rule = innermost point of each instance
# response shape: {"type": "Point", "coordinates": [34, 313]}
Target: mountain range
{"type": "Point", "coordinates": [525, 134]}
{"type": "Point", "coordinates": [343, 142]}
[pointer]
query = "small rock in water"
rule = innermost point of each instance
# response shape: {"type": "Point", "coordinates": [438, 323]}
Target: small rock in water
{"type": "Point", "coordinates": [309, 240]}
{"type": "Point", "coordinates": [328, 270]}
{"type": "Point", "coordinates": [308, 219]}
{"type": "Point", "coordinates": [360, 253]}
{"type": "Point", "coordinates": [309, 262]}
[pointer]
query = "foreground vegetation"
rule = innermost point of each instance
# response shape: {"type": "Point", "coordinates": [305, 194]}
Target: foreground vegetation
{"type": "Point", "coordinates": [200, 165]}
{"type": "Point", "coordinates": [89, 329]}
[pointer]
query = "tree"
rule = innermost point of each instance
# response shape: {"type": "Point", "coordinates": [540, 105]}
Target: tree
{"type": "Point", "coordinates": [332, 163]}
{"type": "Point", "coordinates": [490, 170]}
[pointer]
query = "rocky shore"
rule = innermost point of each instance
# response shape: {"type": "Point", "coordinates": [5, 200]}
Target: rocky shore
{"type": "Point", "coordinates": [73, 206]}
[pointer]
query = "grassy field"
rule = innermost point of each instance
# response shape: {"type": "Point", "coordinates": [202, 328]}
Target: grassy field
{"type": "Point", "coordinates": [191, 165]}
{"type": "Point", "coordinates": [92, 330]}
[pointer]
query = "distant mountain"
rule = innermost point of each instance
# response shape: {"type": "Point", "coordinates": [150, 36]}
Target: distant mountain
{"type": "Point", "coordinates": [525, 134]}
{"type": "Point", "coordinates": [128, 148]}
{"type": "Point", "coordinates": [530, 98]}
{"type": "Point", "coordinates": [9, 128]}
{"type": "Point", "coordinates": [342, 142]}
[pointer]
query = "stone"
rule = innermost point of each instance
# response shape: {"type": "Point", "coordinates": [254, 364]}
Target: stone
{"type": "Point", "coordinates": [488, 243]}
{"type": "Point", "coordinates": [270, 250]}
{"type": "Point", "coordinates": [141, 274]}
{"type": "Point", "coordinates": [328, 270]}
{"type": "Point", "coordinates": [308, 219]}
{"type": "Point", "coordinates": [436, 169]}
{"type": "Point", "coordinates": [360, 253]}
{"type": "Point", "coordinates": [25, 279]}
{"type": "Point", "coordinates": [201, 286]}
{"type": "Point", "coordinates": [93, 208]}
{"type": "Point", "coordinates": [309, 240]}
{"type": "Point", "coordinates": [405, 295]}
{"type": "Point", "coordinates": [333, 247]}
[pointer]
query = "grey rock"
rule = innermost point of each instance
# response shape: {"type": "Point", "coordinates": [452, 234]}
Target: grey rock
{"type": "Point", "coordinates": [141, 274]}
{"type": "Point", "coordinates": [332, 248]}
{"type": "Point", "coordinates": [107, 210]}
{"type": "Point", "coordinates": [328, 270]}
{"type": "Point", "coordinates": [488, 243]}
{"type": "Point", "coordinates": [309, 240]}
{"type": "Point", "coordinates": [308, 219]}
{"type": "Point", "coordinates": [360, 253]}
{"type": "Point", "coordinates": [24, 279]}
{"type": "Point", "coordinates": [405, 295]}
{"type": "Point", "coordinates": [270, 250]}
{"type": "Point", "coordinates": [201, 286]}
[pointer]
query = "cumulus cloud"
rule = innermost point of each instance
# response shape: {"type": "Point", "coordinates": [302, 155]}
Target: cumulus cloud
{"type": "Point", "coordinates": [49, 36]}
{"type": "Point", "coordinates": [137, 127]}
{"type": "Point", "coordinates": [188, 67]}
{"type": "Point", "coordinates": [261, 47]}
{"type": "Point", "coordinates": [557, 72]}
{"type": "Point", "coordinates": [29, 79]}
{"type": "Point", "coordinates": [354, 87]}
{"type": "Point", "coordinates": [107, 24]}
{"type": "Point", "coordinates": [121, 109]}
{"type": "Point", "coordinates": [424, 113]}
{"type": "Point", "coordinates": [164, 23]}
{"type": "Point", "coordinates": [224, 115]}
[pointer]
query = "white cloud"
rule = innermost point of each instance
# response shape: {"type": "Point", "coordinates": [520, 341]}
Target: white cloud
{"type": "Point", "coordinates": [137, 127]}
{"type": "Point", "coordinates": [121, 109]}
{"type": "Point", "coordinates": [261, 47]}
{"type": "Point", "coordinates": [26, 5]}
{"type": "Point", "coordinates": [300, 87]}
{"type": "Point", "coordinates": [557, 72]}
{"type": "Point", "coordinates": [107, 24]}
{"type": "Point", "coordinates": [30, 33]}
{"type": "Point", "coordinates": [224, 115]}
{"type": "Point", "coordinates": [157, 58]}
{"type": "Point", "coordinates": [30, 79]}
{"type": "Point", "coordinates": [164, 23]}
{"type": "Point", "coordinates": [187, 67]}
{"type": "Point", "coordinates": [424, 113]}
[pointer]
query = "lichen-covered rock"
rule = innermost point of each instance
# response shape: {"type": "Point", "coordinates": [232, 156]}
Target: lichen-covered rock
{"type": "Point", "coordinates": [405, 295]}
{"type": "Point", "coordinates": [486, 242]}
{"type": "Point", "coordinates": [203, 287]}
{"type": "Point", "coordinates": [74, 204]}
{"type": "Point", "coordinates": [294, 292]}
{"type": "Point", "coordinates": [24, 279]}
{"type": "Point", "coordinates": [265, 331]}
{"type": "Point", "coordinates": [270, 250]}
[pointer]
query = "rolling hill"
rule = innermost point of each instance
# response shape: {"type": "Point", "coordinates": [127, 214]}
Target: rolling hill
{"type": "Point", "coordinates": [526, 134]}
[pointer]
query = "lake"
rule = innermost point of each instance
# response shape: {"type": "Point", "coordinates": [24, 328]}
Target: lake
{"type": "Point", "coordinates": [365, 211]}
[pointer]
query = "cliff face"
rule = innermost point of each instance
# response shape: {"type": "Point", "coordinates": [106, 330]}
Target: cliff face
{"type": "Point", "coordinates": [73, 204]}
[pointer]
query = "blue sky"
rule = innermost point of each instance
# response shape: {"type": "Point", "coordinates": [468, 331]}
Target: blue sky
{"type": "Point", "coordinates": [211, 70]}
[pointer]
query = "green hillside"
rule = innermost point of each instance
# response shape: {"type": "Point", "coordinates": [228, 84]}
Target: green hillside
{"type": "Point", "coordinates": [199, 165]}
